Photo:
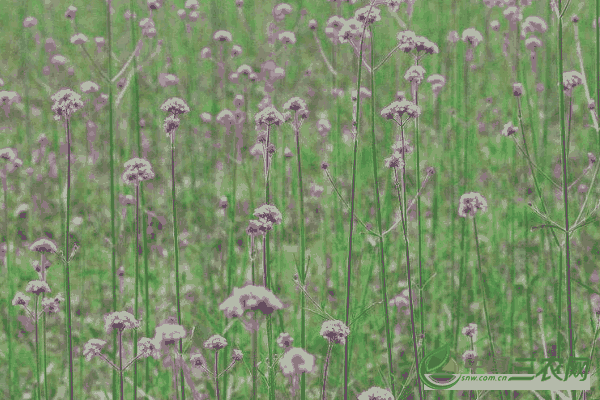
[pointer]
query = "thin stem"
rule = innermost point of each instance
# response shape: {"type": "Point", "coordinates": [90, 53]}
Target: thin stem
{"type": "Point", "coordinates": [120, 335]}
{"type": "Point", "coordinates": [356, 129]}
{"type": "Point", "coordinates": [10, 383]}
{"type": "Point", "coordinates": [565, 183]}
{"type": "Point", "coordinates": [323, 390]}
{"type": "Point", "coordinates": [94, 64]}
{"type": "Point", "coordinates": [44, 356]}
{"type": "Point", "coordinates": [137, 279]}
{"type": "Point", "coordinates": [485, 310]}
{"type": "Point", "coordinates": [67, 279]}
{"type": "Point", "coordinates": [380, 229]}
{"type": "Point", "coordinates": [217, 374]}
{"type": "Point", "coordinates": [176, 245]}
{"type": "Point", "coordinates": [419, 224]}
{"type": "Point", "coordinates": [302, 248]}
{"type": "Point", "coordinates": [331, 69]}
{"type": "Point", "coordinates": [254, 364]}
{"type": "Point", "coordinates": [37, 351]}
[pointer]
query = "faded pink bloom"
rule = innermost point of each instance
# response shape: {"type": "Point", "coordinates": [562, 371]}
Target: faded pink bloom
{"type": "Point", "coordinates": [376, 393]}
{"type": "Point", "coordinates": [93, 348]}
{"type": "Point", "coordinates": [29, 22]}
{"type": "Point", "coordinates": [472, 36]}
{"type": "Point", "coordinates": [37, 287]}
{"type": "Point", "coordinates": [335, 331]}
{"type": "Point", "coordinates": [215, 342]}
{"type": "Point", "coordinates": [167, 80]}
{"type": "Point", "coordinates": [296, 361]}
{"type": "Point", "coordinates": [470, 203]}
{"type": "Point", "coordinates": [66, 103]}
{"type": "Point", "coordinates": [79, 38]}
{"type": "Point", "coordinates": [120, 320]}
{"type": "Point", "coordinates": [70, 13]}
{"type": "Point", "coordinates": [222, 36]}
{"type": "Point", "coordinates": [89, 87]}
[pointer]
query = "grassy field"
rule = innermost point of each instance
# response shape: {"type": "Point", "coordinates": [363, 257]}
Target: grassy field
{"type": "Point", "coordinates": [365, 229]}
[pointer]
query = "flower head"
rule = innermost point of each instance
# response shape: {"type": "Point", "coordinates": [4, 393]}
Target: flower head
{"type": "Point", "coordinates": [296, 361]}
{"type": "Point", "coordinates": [517, 89]}
{"type": "Point", "coordinates": [120, 320]}
{"type": "Point", "coordinates": [43, 246]}
{"type": "Point", "coordinates": [572, 79]}
{"type": "Point", "coordinates": [257, 228]}
{"type": "Point", "coordinates": [93, 348]}
{"type": "Point", "coordinates": [533, 43]}
{"type": "Point", "coordinates": [335, 331]}
{"type": "Point", "coordinates": [70, 13]}
{"type": "Point", "coordinates": [285, 340]}
{"type": "Point", "coordinates": [470, 203]}
{"type": "Point", "coordinates": [269, 116]}
{"type": "Point", "coordinates": [470, 330]}
{"type": "Point", "coordinates": [79, 38]}
{"type": "Point", "coordinates": [352, 30]}
{"type": "Point", "coordinates": [222, 36]}
{"type": "Point", "coordinates": [287, 37]}
{"type": "Point", "coordinates": [426, 45]}
{"type": "Point", "coordinates": [148, 348]}
{"type": "Point", "coordinates": [368, 14]}
{"type": "Point", "coordinates": [8, 154]}
{"type": "Point", "coordinates": [169, 333]}
{"type": "Point", "coordinates": [215, 342]}
{"type": "Point", "coordinates": [472, 36]}
{"type": "Point", "coordinates": [89, 87]}
{"type": "Point", "coordinates": [225, 118]}
{"type": "Point", "coordinates": [534, 24]}
{"type": "Point", "coordinates": [250, 298]}
{"type": "Point", "coordinates": [376, 393]}
{"type": "Point", "coordinates": [295, 104]}
{"type": "Point", "coordinates": [415, 74]}
{"type": "Point", "coordinates": [50, 306]}
{"type": "Point", "coordinates": [37, 287]}
{"type": "Point", "coordinates": [137, 170]}
{"type": "Point", "coordinates": [21, 299]}
{"type": "Point", "coordinates": [66, 103]}
{"type": "Point", "coordinates": [509, 129]}
{"type": "Point", "coordinates": [175, 106]}
{"type": "Point", "coordinates": [268, 213]}
{"type": "Point", "coordinates": [364, 94]}
{"type": "Point", "coordinates": [171, 124]}
{"type": "Point", "coordinates": [198, 360]}
{"type": "Point", "coordinates": [453, 37]}
{"type": "Point", "coordinates": [237, 355]}
{"type": "Point", "coordinates": [406, 41]}
{"type": "Point", "coordinates": [470, 358]}
{"type": "Point", "coordinates": [29, 22]}
{"type": "Point", "coordinates": [495, 25]}
{"type": "Point", "coordinates": [394, 161]}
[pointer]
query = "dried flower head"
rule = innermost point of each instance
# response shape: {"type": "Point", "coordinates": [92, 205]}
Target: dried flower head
{"type": "Point", "coordinates": [472, 36]}
{"type": "Point", "coordinates": [198, 360]}
{"type": "Point", "coordinates": [120, 320]}
{"type": "Point", "coordinates": [406, 41]}
{"type": "Point", "coordinates": [376, 393]}
{"type": "Point", "coordinates": [469, 204]}
{"type": "Point", "coordinates": [21, 299]}
{"type": "Point", "coordinates": [137, 170]}
{"type": "Point", "coordinates": [215, 342]}
{"type": "Point", "coordinates": [237, 355]}
{"type": "Point", "coordinates": [285, 340]}
{"type": "Point", "coordinates": [509, 129]}
{"type": "Point", "coordinates": [37, 287]}
{"type": "Point", "coordinates": [295, 104]}
{"type": "Point", "coordinates": [93, 348]}
{"type": "Point", "coordinates": [335, 331]}
{"type": "Point", "coordinates": [250, 298]}
{"type": "Point", "coordinates": [175, 106]}
{"type": "Point", "coordinates": [222, 36]}
{"type": "Point", "coordinates": [415, 74]}
{"type": "Point", "coordinates": [296, 361]}
{"type": "Point", "coordinates": [66, 103]}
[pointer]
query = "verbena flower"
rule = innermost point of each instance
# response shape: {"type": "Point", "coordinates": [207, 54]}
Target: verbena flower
{"type": "Point", "coordinates": [192, 5]}
{"type": "Point", "coordinates": [215, 342]}
{"type": "Point", "coordinates": [470, 330]}
{"type": "Point", "coordinates": [334, 331]}
{"type": "Point", "coordinates": [296, 361]}
{"type": "Point", "coordinates": [79, 38]}
{"type": "Point", "coordinates": [257, 228]}
{"type": "Point", "coordinates": [50, 306]}
{"type": "Point", "coordinates": [534, 24]}
{"type": "Point", "coordinates": [406, 41]}
{"type": "Point", "coordinates": [376, 393]}
{"type": "Point", "coordinates": [175, 106]}
{"type": "Point", "coordinates": [29, 22]}
{"type": "Point", "coordinates": [137, 170]}
{"type": "Point", "coordinates": [295, 104]}
{"type": "Point", "coordinates": [168, 334]}
{"type": "Point", "coordinates": [495, 25]}
{"type": "Point", "coordinates": [71, 12]}
{"type": "Point", "coordinates": [250, 298]}
{"type": "Point", "coordinates": [287, 37]}
{"type": "Point", "coordinates": [415, 74]}
{"type": "Point", "coordinates": [198, 360]}
{"type": "Point", "coordinates": [284, 340]}
{"type": "Point", "coordinates": [394, 161]}
{"type": "Point", "coordinates": [37, 287]}
{"type": "Point", "coordinates": [368, 15]}
{"type": "Point", "coordinates": [237, 355]}
{"type": "Point", "coordinates": [120, 320]}
{"type": "Point", "coordinates": [21, 299]}
{"type": "Point", "coordinates": [352, 30]}
{"type": "Point", "coordinates": [171, 124]}
{"type": "Point", "coordinates": [269, 116]}
{"type": "Point", "coordinates": [426, 45]}
{"type": "Point", "coordinates": [89, 87]}
{"type": "Point", "coordinates": [453, 37]}
{"type": "Point", "coordinates": [324, 165]}
{"type": "Point", "coordinates": [509, 129]}
{"type": "Point", "coordinates": [225, 118]}
{"type": "Point", "coordinates": [403, 147]}
{"type": "Point", "coordinates": [66, 103]}
{"type": "Point", "coordinates": [533, 43]}
{"type": "Point", "coordinates": [312, 24]}
{"type": "Point", "coordinates": [513, 14]}
{"type": "Point", "coordinates": [8, 154]}
{"type": "Point", "coordinates": [268, 213]}
{"type": "Point", "coordinates": [517, 89]}
{"type": "Point", "coordinates": [43, 246]}
{"type": "Point", "coordinates": [470, 203]}
{"type": "Point", "coordinates": [222, 36]}
{"type": "Point", "coordinates": [148, 348]}
{"type": "Point", "coordinates": [472, 36]}
{"type": "Point", "coordinates": [93, 348]}
{"type": "Point", "coordinates": [572, 79]}
{"type": "Point", "coordinates": [470, 358]}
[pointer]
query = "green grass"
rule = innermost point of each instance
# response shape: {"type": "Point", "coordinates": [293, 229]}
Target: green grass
{"type": "Point", "coordinates": [524, 269]}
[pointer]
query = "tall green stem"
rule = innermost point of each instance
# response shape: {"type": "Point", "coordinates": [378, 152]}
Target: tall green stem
{"type": "Point", "coordinates": [379, 227]}
{"type": "Point", "coordinates": [44, 355]}
{"type": "Point", "coordinates": [419, 222]}
{"type": "Point", "coordinates": [561, 116]}
{"type": "Point", "coordinates": [217, 374]}
{"type": "Point", "coordinates": [324, 389]}
{"type": "Point", "coordinates": [176, 245]}
{"type": "Point", "coordinates": [120, 334]}
{"type": "Point", "coordinates": [356, 126]}
{"type": "Point", "coordinates": [302, 256]}
{"type": "Point", "coordinates": [67, 253]}
{"type": "Point", "coordinates": [37, 351]}
{"type": "Point", "coordinates": [137, 285]}
{"type": "Point", "coordinates": [10, 384]}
